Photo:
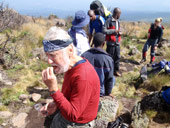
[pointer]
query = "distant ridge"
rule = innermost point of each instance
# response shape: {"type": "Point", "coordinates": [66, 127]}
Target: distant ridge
{"type": "Point", "coordinates": [126, 15]}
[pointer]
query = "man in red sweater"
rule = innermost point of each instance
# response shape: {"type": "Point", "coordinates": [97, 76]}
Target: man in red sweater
{"type": "Point", "coordinates": [77, 103]}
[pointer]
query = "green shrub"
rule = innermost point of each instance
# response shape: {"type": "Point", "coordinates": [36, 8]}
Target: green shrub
{"type": "Point", "coordinates": [40, 41]}
{"type": "Point", "coordinates": [39, 66]}
{"type": "Point", "coordinates": [126, 41]}
{"type": "Point", "coordinates": [9, 95]}
{"type": "Point", "coordinates": [13, 71]}
{"type": "Point", "coordinates": [151, 113]}
{"type": "Point", "coordinates": [3, 108]}
{"type": "Point", "coordinates": [140, 47]}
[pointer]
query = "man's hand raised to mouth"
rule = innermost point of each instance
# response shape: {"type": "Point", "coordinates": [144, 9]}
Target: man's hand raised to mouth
{"type": "Point", "coordinates": [50, 79]}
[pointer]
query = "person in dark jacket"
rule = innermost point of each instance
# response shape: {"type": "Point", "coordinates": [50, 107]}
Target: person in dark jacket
{"type": "Point", "coordinates": [154, 36]}
{"type": "Point", "coordinates": [103, 64]}
{"type": "Point", "coordinates": [113, 38]}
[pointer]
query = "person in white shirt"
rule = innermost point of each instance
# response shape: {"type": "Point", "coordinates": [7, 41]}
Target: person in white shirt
{"type": "Point", "coordinates": [77, 33]}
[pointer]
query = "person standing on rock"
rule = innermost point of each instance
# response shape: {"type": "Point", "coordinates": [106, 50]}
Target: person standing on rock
{"type": "Point", "coordinates": [77, 33]}
{"type": "Point", "coordinates": [154, 36]}
{"type": "Point", "coordinates": [76, 105]}
{"type": "Point", "coordinates": [113, 38]}
{"type": "Point", "coordinates": [96, 23]}
{"type": "Point", "coordinates": [103, 64]}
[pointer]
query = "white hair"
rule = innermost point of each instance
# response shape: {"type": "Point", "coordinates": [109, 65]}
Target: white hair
{"type": "Point", "coordinates": [55, 33]}
{"type": "Point", "coordinates": [74, 50]}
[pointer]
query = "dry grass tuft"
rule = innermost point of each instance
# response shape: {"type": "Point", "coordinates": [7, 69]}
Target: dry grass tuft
{"type": "Point", "coordinates": [156, 82]}
{"type": "Point", "coordinates": [37, 30]}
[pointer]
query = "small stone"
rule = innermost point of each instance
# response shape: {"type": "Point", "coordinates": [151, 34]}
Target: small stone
{"type": "Point", "coordinates": [23, 97]}
{"type": "Point", "coordinates": [4, 124]}
{"type": "Point", "coordinates": [124, 69]}
{"type": "Point", "coordinates": [35, 97]}
{"type": "Point", "coordinates": [8, 83]}
{"type": "Point", "coordinates": [25, 102]}
{"type": "Point", "coordinates": [1, 77]}
{"type": "Point", "coordinates": [5, 114]}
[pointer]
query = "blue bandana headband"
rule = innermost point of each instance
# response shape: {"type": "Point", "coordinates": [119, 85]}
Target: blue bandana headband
{"type": "Point", "coordinates": [50, 46]}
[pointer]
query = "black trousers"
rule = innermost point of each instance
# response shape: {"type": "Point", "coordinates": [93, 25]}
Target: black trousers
{"type": "Point", "coordinates": [114, 50]}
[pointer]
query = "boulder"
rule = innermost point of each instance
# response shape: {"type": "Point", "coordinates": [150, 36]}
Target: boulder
{"type": "Point", "coordinates": [139, 120]}
{"type": "Point", "coordinates": [155, 102]}
{"type": "Point", "coordinates": [107, 112]}
{"type": "Point", "coordinates": [20, 120]}
{"type": "Point", "coordinates": [4, 80]}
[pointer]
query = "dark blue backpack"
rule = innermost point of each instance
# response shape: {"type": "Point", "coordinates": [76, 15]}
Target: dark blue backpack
{"type": "Point", "coordinates": [166, 95]}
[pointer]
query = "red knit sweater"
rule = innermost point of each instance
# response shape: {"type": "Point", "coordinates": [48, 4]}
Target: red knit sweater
{"type": "Point", "coordinates": [79, 99]}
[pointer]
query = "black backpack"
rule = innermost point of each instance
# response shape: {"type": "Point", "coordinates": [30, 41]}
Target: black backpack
{"type": "Point", "coordinates": [97, 6]}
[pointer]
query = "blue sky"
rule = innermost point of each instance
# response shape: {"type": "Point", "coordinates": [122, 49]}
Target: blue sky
{"type": "Point", "coordinates": [130, 5]}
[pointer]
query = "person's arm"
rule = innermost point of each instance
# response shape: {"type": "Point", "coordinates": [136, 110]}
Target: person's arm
{"type": "Point", "coordinates": [108, 31]}
{"type": "Point", "coordinates": [109, 79]}
{"type": "Point", "coordinates": [160, 35]}
{"type": "Point", "coordinates": [78, 101]}
{"type": "Point", "coordinates": [91, 28]}
{"type": "Point", "coordinates": [90, 39]}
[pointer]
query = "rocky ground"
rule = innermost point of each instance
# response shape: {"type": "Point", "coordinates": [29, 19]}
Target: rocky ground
{"type": "Point", "coordinates": [21, 86]}
{"type": "Point", "coordinates": [22, 115]}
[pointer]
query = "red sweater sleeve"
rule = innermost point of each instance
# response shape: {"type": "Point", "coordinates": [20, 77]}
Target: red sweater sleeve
{"type": "Point", "coordinates": [79, 99]}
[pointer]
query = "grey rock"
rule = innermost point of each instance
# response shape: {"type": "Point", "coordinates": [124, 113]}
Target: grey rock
{"type": "Point", "coordinates": [25, 102]}
{"type": "Point", "coordinates": [124, 69]}
{"type": "Point", "coordinates": [4, 80]}
{"type": "Point", "coordinates": [155, 102]}
{"type": "Point", "coordinates": [143, 73]}
{"type": "Point", "coordinates": [8, 83]}
{"type": "Point", "coordinates": [23, 97]}
{"type": "Point", "coordinates": [108, 111]}
{"type": "Point", "coordinates": [133, 51]}
{"type": "Point", "coordinates": [139, 120]}
{"type": "Point", "coordinates": [35, 97]}
{"type": "Point", "coordinates": [20, 120]}
{"type": "Point", "coordinates": [39, 88]}
{"type": "Point", "coordinates": [5, 114]}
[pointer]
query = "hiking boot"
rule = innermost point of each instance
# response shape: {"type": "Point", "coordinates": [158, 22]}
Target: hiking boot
{"type": "Point", "coordinates": [150, 64]}
{"type": "Point", "coordinates": [117, 74]}
{"type": "Point", "coordinates": [143, 60]}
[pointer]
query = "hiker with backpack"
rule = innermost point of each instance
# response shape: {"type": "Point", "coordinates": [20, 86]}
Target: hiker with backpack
{"type": "Point", "coordinates": [96, 23]}
{"type": "Point", "coordinates": [113, 38]}
{"type": "Point", "coordinates": [78, 34]}
{"type": "Point", "coordinates": [100, 9]}
{"type": "Point", "coordinates": [154, 37]}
